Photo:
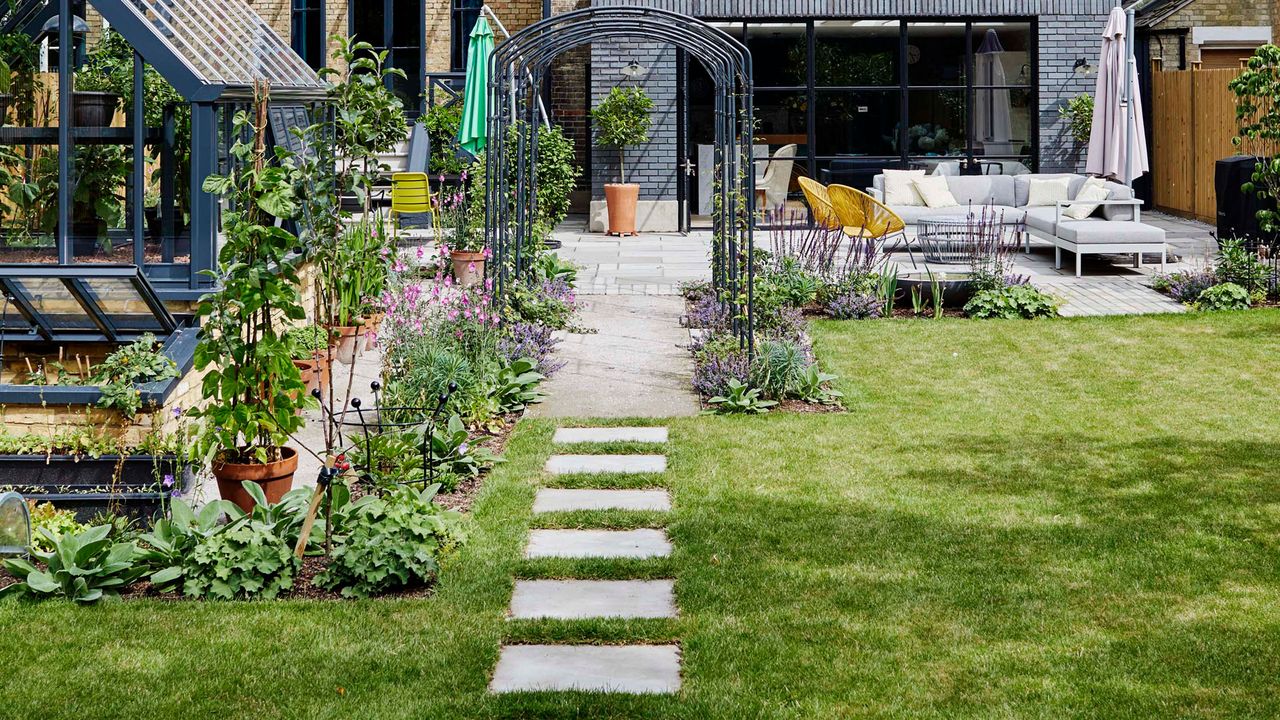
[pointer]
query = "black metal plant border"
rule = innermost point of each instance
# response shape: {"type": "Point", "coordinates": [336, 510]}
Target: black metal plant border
{"type": "Point", "coordinates": [517, 69]}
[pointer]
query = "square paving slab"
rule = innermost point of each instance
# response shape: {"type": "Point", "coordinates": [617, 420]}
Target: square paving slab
{"type": "Point", "coordinates": [628, 464]}
{"type": "Point", "coordinates": [643, 543]}
{"type": "Point", "coordinates": [561, 499]}
{"type": "Point", "coordinates": [611, 434]}
{"type": "Point", "coordinates": [577, 599]}
{"type": "Point", "coordinates": [632, 669]}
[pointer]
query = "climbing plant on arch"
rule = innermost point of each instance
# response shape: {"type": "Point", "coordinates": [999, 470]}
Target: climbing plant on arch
{"type": "Point", "coordinates": [518, 67]}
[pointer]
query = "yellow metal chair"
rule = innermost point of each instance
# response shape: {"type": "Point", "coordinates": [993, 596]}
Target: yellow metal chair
{"type": "Point", "coordinates": [815, 193]}
{"type": "Point", "coordinates": [868, 218]}
{"type": "Point", "coordinates": [410, 193]}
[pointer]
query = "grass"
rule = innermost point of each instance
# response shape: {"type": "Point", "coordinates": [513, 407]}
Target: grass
{"type": "Point", "coordinates": [1069, 518]}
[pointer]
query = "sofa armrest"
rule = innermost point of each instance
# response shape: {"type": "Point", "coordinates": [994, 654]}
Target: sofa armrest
{"type": "Point", "coordinates": [875, 193]}
{"type": "Point", "coordinates": [1135, 203]}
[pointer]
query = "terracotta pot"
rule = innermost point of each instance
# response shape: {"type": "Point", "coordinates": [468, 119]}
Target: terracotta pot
{"type": "Point", "coordinates": [348, 337]}
{"type": "Point", "coordinates": [371, 325]}
{"type": "Point", "coordinates": [275, 478]}
{"type": "Point", "coordinates": [468, 267]}
{"type": "Point", "coordinates": [321, 372]}
{"type": "Point", "coordinates": [307, 370]}
{"type": "Point", "coordinates": [621, 200]}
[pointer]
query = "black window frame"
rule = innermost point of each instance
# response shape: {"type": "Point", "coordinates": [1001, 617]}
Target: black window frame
{"type": "Point", "coordinates": [307, 31]}
{"type": "Point", "coordinates": [415, 104]}
{"type": "Point", "coordinates": [463, 15]}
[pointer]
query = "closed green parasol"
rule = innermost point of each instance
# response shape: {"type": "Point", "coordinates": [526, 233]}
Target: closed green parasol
{"type": "Point", "coordinates": [475, 98]}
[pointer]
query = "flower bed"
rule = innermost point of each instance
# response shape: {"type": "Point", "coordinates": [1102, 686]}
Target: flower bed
{"type": "Point", "coordinates": [1239, 277]}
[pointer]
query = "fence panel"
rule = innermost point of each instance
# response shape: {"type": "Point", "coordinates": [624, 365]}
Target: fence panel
{"type": "Point", "coordinates": [1193, 116]}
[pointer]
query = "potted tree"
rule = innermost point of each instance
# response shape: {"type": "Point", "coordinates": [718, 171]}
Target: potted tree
{"type": "Point", "coordinates": [622, 120]}
{"type": "Point", "coordinates": [254, 391]}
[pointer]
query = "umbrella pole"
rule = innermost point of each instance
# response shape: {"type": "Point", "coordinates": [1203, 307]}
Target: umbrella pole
{"type": "Point", "coordinates": [485, 9]}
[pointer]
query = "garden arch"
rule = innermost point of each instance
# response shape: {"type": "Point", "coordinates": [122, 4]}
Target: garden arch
{"type": "Point", "coordinates": [517, 69]}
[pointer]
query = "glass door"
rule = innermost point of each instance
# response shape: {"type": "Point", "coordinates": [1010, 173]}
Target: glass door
{"type": "Point", "coordinates": [397, 27]}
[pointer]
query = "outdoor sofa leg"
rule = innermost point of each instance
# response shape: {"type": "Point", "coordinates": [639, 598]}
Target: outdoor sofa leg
{"type": "Point", "coordinates": [1057, 257]}
{"type": "Point", "coordinates": [1137, 260]}
{"type": "Point", "coordinates": [1163, 256]}
{"type": "Point", "coordinates": [1078, 259]}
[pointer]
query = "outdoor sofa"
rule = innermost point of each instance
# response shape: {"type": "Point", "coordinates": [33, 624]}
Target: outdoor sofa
{"type": "Point", "coordinates": [1114, 227]}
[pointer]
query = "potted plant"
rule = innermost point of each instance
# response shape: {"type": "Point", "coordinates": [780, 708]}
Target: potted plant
{"type": "Point", "coordinates": [622, 120]}
{"type": "Point", "coordinates": [94, 102]}
{"type": "Point", "coordinates": [458, 234]}
{"type": "Point", "coordinates": [253, 390]}
{"type": "Point", "coordinates": [98, 201]}
{"type": "Point", "coordinates": [308, 345]}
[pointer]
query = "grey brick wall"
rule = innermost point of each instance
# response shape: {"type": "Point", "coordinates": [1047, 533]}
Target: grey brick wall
{"type": "Point", "coordinates": [652, 165]}
{"type": "Point", "coordinates": [1068, 29]}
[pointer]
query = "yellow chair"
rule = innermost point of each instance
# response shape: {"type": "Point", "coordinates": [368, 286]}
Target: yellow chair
{"type": "Point", "coordinates": [410, 193]}
{"type": "Point", "coordinates": [815, 193]}
{"type": "Point", "coordinates": [868, 218]}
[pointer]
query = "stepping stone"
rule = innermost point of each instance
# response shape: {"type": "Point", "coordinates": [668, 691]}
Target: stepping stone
{"type": "Point", "coordinates": [561, 499]}
{"type": "Point", "coordinates": [635, 669]}
{"type": "Point", "coordinates": [628, 464]}
{"type": "Point", "coordinates": [578, 599]}
{"type": "Point", "coordinates": [566, 436]}
{"type": "Point", "coordinates": [644, 543]}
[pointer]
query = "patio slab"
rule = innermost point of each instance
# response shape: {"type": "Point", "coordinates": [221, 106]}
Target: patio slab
{"type": "Point", "coordinates": [578, 599]}
{"type": "Point", "coordinates": [589, 464]}
{"type": "Point", "coordinates": [643, 543]}
{"type": "Point", "coordinates": [634, 669]}
{"type": "Point", "coordinates": [572, 435]}
{"type": "Point", "coordinates": [563, 500]}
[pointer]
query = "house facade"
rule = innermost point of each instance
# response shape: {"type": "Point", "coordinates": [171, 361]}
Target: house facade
{"type": "Point", "coordinates": [855, 85]}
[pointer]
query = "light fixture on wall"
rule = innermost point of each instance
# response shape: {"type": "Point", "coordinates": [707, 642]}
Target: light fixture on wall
{"type": "Point", "coordinates": [1082, 67]}
{"type": "Point", "coordinates": [633, 70]}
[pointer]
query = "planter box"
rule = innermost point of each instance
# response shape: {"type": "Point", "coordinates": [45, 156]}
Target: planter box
{"type": "Point", "coordinates": [128, 486]}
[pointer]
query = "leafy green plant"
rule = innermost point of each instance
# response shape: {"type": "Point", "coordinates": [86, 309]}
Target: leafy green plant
{"type": "Point", "coordinates": [1258, 119]}
{"type": "Point", "coordinates": [452, 450]}
{"type": "Point", "coordinates": [118, 375]}
{"type": "Point", "coordinates": [255, 392]}
{"type": "Point", "coordinates": [442, 123]}
{"type": "Point", "coordinates": [741, 399]}
{"type": "Point", "coordinates": [1011, 301]}
{"type": "Point", "coordinates": [1227, 296]}
{"type": "Point", "coordinates": [918, 302]}
{"type": "Point", "coordinates": [83, 567]}
{"type": "Point", "coordinates": [307, 341]}
{"type": "Point", "coordinates": [1236, 264]}
{"type": "Point", "coordinates": [778, 367]}
{"type": "Point", "coordinates": [815, 386]}
{"type": "Point", "coordinates": [363, 254]}
{"type": "Point", "coordinates": [167, 548]}
{"type": "Point", "coordinates": [887, 291]}
{"type": "Point", "coordinates": [54, 522]}
{"type": "Point", "coordinates": [937, 291]}
{"type": "Point", "coordinates": [622, 120]}
{"type": "Point", "coordinates": [1078, 112]}
{"type": "Point", "coordinates": [246, 560]}
{"type": "Point", "coordinates": [517, 385]}
{"type": "Point", "coordinates": [392, 542]}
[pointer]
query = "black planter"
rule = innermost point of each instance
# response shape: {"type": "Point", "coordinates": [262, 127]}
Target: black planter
{"type": "Point", "coordinates": [93, 108]}
{"type": "Point", "coordinates": [88, 486]}
{"type": "Point", "coordinates": [957, 287]}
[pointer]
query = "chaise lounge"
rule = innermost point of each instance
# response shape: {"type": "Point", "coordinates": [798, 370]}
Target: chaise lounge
{"type": "Point", "coordinates": [1109, 217]}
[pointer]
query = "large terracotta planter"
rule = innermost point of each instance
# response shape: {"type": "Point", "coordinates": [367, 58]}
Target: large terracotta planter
{"type": "Point", "coordinates": [275, 478]}
{"type": "Point", "coordinates": [468, 267]}
{"type": "Point", "coordinates": [621, 200]}
{"type": "Point", "coordinates": [347, 340]}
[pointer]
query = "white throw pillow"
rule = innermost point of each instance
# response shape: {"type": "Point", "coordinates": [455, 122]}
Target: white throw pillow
{"type": "Point", "coordinates": [1048, 192]}
{"type": "Point", "coordinates": [1090, 191]}
{"type": "Point", "coordinates": [898, 187]}
{"type": "Point", "coordinates": [935, 192]}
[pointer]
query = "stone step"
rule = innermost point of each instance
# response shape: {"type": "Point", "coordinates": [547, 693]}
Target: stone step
{"type": "Point", "coordinates": [564, 499]}
{"type": "Point", "coordinates": [643, 543]}
{"type": "Point", "coordinates": [567, 436]}
{"type": "Point", "coordinates": [578, 599]}
{"type": "Point", "coordinates": [627, 464]}
{"type": "Point", "coordinates": [633, 669]}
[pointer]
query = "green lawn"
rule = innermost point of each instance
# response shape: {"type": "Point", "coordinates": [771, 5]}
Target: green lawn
{"type": "Point", "coordinates": [1069, 518]}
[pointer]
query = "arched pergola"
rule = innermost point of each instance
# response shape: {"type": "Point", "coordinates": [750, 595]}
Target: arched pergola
{"type": "Point", "coordinates": [517, 69]}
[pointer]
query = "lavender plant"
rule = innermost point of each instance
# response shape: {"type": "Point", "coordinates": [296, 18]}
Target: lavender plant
{"type": "Point", "coordinates": [854, 305]}
{"type": "Point", "coordinates": [533, 341]}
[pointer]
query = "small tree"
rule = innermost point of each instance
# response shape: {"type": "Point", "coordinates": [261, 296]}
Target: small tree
{"type": "Point", "coordinates": [1258, 115]}
{"type": "Point", "coordinates": [622, 120]}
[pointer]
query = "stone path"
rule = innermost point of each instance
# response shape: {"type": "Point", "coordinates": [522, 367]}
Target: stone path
{"type": "Point", "coordinates": [1107, 296]}
{"type": "Point", "coordinates": [635, 669]}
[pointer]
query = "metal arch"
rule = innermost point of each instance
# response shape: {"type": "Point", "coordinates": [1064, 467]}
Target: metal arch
{"type": "Point", "coordinates": [517, 67]}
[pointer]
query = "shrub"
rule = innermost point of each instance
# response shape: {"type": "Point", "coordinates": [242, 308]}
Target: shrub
{"type": "Point", "coordinates": [1011, 301]}
{"type": "Point", "coordinates": [1235, 264]}
{"type": "Point", "coordinates": [621, 120]}
{"type": "Point", "coordinates": [394, 542]}
{"type": "Point", "coordinates": [779, 367]}
{"type": "Point", "coordinates": [246, 560]}
{"type": "Point", "coordinates": [1227, 296]}
{"type": "Point", "coordinates": [854, 305]}
{"type": "Point", "coordinates": [306, 341]}
{"type": "Point", "coordinates": [1078, 112]}
{"type": "Point", "coordinates": [442, 123]}
{"type": "Point", "coordinates": [83, 567]}
{"type": "Point", "coordinates": [551, 303]}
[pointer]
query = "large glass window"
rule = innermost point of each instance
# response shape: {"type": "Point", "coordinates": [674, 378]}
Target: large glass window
{"type": "Point", "coordinates": [462, 19]}
{"type": "Point", "coordinates": [397, 27]}
{"type": "Point", "coordinates": [308, 31]}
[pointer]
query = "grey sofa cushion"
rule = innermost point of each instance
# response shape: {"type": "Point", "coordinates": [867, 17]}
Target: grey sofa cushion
{"type": "Point", "coordinates": [1118, 212]}
{"type": "Point", "coordinates": [1022, 185]}
{"type": "Point", "coordinates": [981, 189]}
{"type": "Point", "coordinates": [1092, 231]}
{"type": "Point", "coordinates": [1041, 218]}
{"type": "Point", "coordinates": [913, 214]}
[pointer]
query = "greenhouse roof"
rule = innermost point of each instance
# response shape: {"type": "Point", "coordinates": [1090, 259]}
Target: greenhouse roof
{"type": "Point", "coordinates": [211, 49]}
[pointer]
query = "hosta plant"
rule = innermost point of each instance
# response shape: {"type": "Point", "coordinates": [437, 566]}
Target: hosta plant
{"type": "Point", "coordinates": [392, 542]}
{"type": "Point", "coordinates": [83, 567]}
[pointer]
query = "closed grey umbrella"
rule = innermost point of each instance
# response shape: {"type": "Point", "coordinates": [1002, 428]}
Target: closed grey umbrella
{"type": "Point", "coordinates": [1118, 140]}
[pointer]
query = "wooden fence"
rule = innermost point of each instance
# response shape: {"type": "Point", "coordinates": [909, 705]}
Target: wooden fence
{"type": "Point", "coordinates": [1193, 121]}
